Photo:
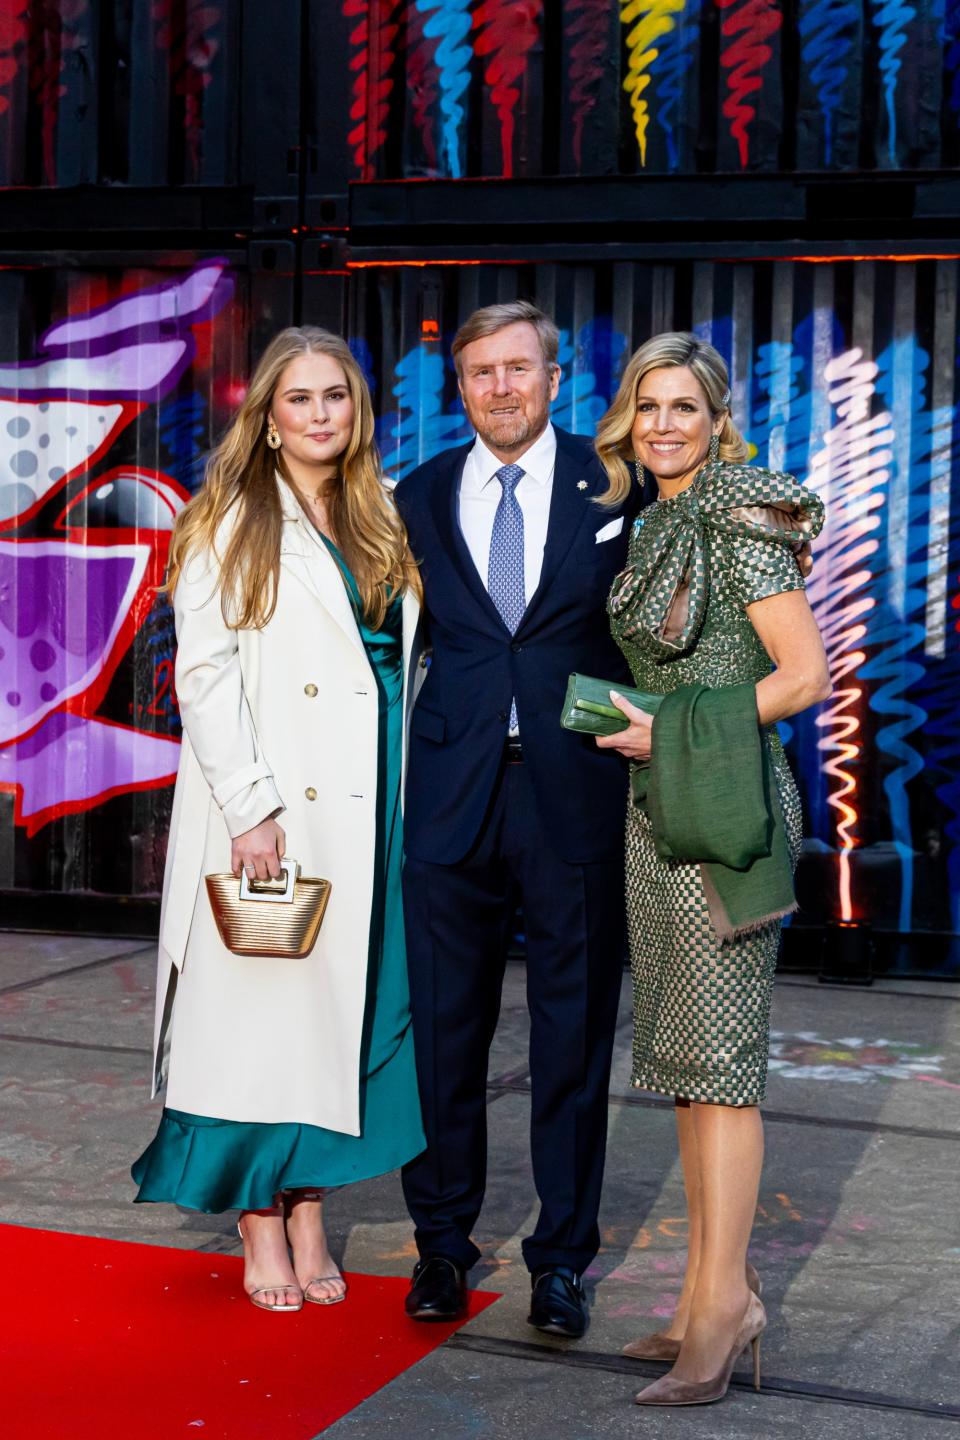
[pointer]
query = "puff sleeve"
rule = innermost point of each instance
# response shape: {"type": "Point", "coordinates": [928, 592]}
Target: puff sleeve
{"type": "Point", "coordinates": [761, 568]}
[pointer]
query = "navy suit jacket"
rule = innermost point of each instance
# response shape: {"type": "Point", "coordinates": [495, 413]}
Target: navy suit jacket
{"type": "Point", "coordinates": [461, 717]}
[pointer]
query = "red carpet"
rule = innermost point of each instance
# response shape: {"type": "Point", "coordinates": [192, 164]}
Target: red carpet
{"type": "Point", "coordinates": [100, 1338]}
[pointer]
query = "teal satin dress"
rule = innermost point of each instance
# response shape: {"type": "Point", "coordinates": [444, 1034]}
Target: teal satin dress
{"type": "Point", "coordinates": [207, 1164]}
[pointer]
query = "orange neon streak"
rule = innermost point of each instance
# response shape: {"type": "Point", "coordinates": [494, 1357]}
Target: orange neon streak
{"type": "Point", "coordinates": [846, 907]}
{"type": "Point", "coordinates": [426, 264]}
{"type": "Point", "coordinates": [717, 260]}
{"type": "Point", "coordinates": [833, 259]}
{"type": "Point", "coordinates": [843, 728]}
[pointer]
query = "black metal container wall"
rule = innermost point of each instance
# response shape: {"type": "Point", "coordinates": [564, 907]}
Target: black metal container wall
{"type": "Point", "coordinates": [178, 180]}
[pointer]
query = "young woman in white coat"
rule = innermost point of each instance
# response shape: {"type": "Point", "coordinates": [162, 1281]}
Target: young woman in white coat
{"type": "Point", "coordinates": [296, 604]}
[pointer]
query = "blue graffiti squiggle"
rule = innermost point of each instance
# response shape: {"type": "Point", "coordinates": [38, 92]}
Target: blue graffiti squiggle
{"type": "Point", "coordinates": [940, 686]}
{"type": "Point", "coordinates": [951, 54]}
{"type": "Point", "coordinates": [891, 665]}
{"type": "Point", "coordinates": [891, 17]}
{"type": "Point", "coordinates": [675, 55]}
{"type": "Point", "coordinates": [899, 587]}
{"type": "Point", "coordinates": [828, 29]}
{"type": "Point", "coordinates": [590, 367]}
{"type": "Point", "coordinates": [939, 691]}
{"type": "Point", "coordinates": [782, 407]}
{"type": "Point", "coordinates": [450, 21]}
{"type": "Point", "coordinates": [182, 425]}
{"type": "Point", "coordinates": [363, 354]}
{"type": "Point", "coordinates": [780, 425]}
{"type": "Point", "coordinates": [419, 428]}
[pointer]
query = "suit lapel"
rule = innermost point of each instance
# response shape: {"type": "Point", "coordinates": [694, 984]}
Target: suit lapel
{"type": "Point", "coordinates": [569, 507]}
{"type": "Point", "coordinates": [445, 506]}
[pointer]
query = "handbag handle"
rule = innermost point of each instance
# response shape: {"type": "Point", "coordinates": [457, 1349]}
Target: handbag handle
{"type": "Point", "coordinates": [275, 891]}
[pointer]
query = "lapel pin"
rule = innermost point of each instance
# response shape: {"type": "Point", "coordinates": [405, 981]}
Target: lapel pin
{"type": "Point", "coordinates": [581, 484]}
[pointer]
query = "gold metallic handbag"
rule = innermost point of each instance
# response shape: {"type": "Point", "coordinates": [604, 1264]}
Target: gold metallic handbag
{"type": "Point", "coordinates": [281, 918]}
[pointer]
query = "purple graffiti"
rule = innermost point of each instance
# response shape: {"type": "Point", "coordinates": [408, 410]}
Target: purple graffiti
{"type": "Point", "coordinates": [72, 600]}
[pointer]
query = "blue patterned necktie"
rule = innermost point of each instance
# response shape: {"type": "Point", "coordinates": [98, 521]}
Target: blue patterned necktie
{"type": "Point", "coordinates": [505, 581]}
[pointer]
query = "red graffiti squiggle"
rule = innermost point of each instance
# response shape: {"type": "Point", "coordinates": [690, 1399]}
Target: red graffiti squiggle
{"type": "Point", "coordinates": [359, 35]}
{"type": "Point", "coordinates": [373, 39]}
{"type": "Point", "coordinates": [191, 47]}
{"type": "Point", "coordinates": [588, 34]}
{"type": "Point", "coordinates": [506, 31]}
{"type": "Point", "coordinates": [421, 81]}
{"type": "Point", "coordinates": [753, 24]}
{"type": "Point", "coordinates": [50, 38]}
{"type": "Point", "coordinates": [13, 37]}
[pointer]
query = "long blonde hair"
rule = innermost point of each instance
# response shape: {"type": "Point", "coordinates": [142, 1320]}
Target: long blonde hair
{"type": "Point", "coordinates": [241, 476]}
{"type": "Point", "coordinates": [613, 443]}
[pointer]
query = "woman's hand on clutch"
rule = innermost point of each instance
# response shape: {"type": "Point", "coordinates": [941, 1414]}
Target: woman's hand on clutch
{"type": "Point", "coordinates": [259, 851]}
{"type": "Point", "coordinates": [635, 741]}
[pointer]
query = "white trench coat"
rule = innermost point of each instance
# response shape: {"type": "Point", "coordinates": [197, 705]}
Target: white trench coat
{"type": "Point", "coordinates": [284, 718]}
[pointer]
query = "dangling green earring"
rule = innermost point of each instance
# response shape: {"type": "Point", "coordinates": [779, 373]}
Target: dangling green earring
{"type": "Point", "coordinates": [714, 449]}
{"type": "Point", "coordinates": [638, 471]}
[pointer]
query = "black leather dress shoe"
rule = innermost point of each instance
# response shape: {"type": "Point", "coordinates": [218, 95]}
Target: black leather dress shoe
{"type": "Point", "coordinates": [438, 1290]}
{"type": "Point", "coordinates": [558, 1305]}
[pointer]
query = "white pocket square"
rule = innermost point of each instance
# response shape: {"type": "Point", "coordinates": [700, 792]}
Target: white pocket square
{"type": "Point", "coordinates": [609, 531]}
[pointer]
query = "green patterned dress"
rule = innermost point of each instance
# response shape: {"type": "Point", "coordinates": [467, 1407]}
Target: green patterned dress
{"type": "Point", "coordinates": [701, 1009]}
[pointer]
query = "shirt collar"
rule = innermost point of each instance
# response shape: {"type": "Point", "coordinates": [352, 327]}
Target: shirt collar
{"type": "Point", "coordinates": [537, 462]}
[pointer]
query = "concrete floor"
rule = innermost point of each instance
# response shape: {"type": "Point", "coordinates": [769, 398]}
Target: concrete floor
{"type": "Point", "coordinates": [856, 1236]}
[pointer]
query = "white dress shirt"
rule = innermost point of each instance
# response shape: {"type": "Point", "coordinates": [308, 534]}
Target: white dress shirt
{"type": "Point", "coordinates": [480, 494]}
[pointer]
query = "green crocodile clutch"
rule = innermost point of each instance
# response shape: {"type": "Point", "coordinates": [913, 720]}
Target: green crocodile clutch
{"type": "Point", "coordinates": [587, 706]}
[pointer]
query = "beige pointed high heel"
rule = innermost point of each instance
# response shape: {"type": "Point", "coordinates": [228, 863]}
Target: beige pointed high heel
{"type": "Point", "coordinates": [658, 1346]}
{"type": "Point", "coordinates": [667, 1391]}
{"type": "Point", "coordinates": [262, 1289]}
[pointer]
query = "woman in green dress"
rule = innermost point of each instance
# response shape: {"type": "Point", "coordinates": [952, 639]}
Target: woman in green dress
{"type": "Point", "coordinates": [712, 596]}
{"type": "Point", "coordinates": [297, 605]}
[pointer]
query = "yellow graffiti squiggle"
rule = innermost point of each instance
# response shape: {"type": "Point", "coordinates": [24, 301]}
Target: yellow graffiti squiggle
{"type": "Point", "coordinates": [655, 19]}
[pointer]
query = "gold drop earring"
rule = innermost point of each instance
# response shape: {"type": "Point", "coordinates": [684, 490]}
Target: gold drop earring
{"type": "Point", "coordinates": [273, 435]}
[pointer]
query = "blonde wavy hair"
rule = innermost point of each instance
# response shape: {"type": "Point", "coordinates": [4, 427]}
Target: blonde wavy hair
{"type": "Point", "coordinates": [241, 478]}
{"type": "Point", "coordinates": [613, 442]}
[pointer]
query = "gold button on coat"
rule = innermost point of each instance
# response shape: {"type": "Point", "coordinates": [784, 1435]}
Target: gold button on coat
{"type": "Point", "coordinates": [310, 793]}
{"type": "Point", "coordinates": [310, 690]}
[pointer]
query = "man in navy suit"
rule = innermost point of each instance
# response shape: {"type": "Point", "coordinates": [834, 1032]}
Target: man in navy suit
{"type": "Point", "coordinates": [503, 805]}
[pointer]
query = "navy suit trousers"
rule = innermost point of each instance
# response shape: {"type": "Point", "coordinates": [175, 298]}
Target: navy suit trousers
{"type": "Point", "coordinates": [458, 920]}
